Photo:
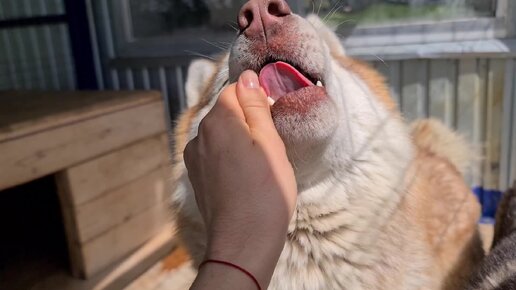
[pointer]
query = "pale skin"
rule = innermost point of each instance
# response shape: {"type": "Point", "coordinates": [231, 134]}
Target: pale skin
{"type": "Point", "coordinates": [244, 186]}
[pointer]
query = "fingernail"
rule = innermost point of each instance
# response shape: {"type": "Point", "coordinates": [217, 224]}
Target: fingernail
{"type": "Point", "coordinates": [250, 79]}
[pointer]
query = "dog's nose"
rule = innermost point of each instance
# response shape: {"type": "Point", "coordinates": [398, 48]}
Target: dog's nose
{"type": "Point", "coordinates": [256, 16]}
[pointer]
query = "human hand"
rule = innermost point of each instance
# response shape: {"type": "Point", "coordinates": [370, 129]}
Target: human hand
{"type": "Point", "coordinates": [244, 184]}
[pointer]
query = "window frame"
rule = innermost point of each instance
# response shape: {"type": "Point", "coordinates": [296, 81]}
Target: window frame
{"type": "Point", "coordinates": [480, 28]}
{"type": "Point", "coordinates": [378, 38]}
{"type": "Point", "coordinates": [126, 46]}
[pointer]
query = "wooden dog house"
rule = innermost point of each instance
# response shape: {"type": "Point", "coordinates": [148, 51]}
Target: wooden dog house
{"type": "Point", "coordinates": [108, 155]}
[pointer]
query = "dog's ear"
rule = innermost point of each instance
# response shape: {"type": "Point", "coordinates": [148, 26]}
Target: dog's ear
{"type": "Point", "coordinates": [200, 72]}
{"type": "Point", "coordinates": [327, 34]}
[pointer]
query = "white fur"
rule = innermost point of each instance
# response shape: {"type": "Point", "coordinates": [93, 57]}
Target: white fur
{"type": "Point", "coordinates": [347, 223]}
{"type": "Point", "coordinates": [199, 71]}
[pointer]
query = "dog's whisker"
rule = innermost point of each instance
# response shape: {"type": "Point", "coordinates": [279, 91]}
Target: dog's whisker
{"type": "Point", "coordinates": [214, 44]}
{"type": "Point", "coordinates": [199, 55]}
{"type": "Point", "coordinates": [333, 13]}
{"type": "Point", "coordinates": [380, 59]}
{"type": "Point", "coordinates": [345, 21]}
{"type": "Point", "coordinates": [335, 7]}
{"type": "Point", "coordinates": [319, 9]}
{"type": "Point", "coordinates": [230, 24]}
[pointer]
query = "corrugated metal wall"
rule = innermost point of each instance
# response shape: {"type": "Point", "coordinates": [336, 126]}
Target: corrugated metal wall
{"type": "Point", "coordinates": [466, 94]}
{"type": "Point", "coordinates": [168, 79]}
{"type": "Point", "coordinates": [12, 9]}
{"type": "Point", "coordinates": [470, 95]}
{"type": "Point", "coordinates": [154, 74]}
{"type": "Point", "coordinates": [35, 57]}
{"type": "Point", "coordinates": [508, 159]}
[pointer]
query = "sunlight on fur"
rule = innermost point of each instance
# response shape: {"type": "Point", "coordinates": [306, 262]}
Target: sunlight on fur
{"type": "Point", "coordinates": [382, 204]}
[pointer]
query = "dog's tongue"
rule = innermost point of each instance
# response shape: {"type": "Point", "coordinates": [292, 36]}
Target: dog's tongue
{"type": "Point", "coordinates": [280, 78]}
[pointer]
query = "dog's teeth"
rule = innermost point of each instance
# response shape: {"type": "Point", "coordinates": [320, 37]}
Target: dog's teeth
{"type": "Point", "coordinates": [319, 84]}
{"type": "Point", "coordinates": [271, 101]}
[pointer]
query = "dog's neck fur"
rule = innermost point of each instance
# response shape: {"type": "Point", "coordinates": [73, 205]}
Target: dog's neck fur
{"type": "Point", "coordinates": [341, 209]}
{"type": "Point", "coordinates": [364, 220]}
{"type": "Point", "coordinates": [381, 150]}
{"type": "Point", "coordinates": [346, 193]}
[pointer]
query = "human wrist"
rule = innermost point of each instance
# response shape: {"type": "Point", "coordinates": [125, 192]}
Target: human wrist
{"type": "Point", "coordinates": [252, 248]}
{"type": "Point", "coordinates": [225, 277]}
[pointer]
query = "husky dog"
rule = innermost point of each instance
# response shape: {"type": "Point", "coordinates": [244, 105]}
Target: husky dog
{"type": "Point", "coordinates": [381, 205]}
{"type": "Point", "coordinates": [498, 270]}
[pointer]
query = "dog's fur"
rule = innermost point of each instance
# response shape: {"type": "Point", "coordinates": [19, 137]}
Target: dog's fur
{"type": "Point", "coordinates": [380, 206]}
{"type": "Point", "coordinates": [498, 270]}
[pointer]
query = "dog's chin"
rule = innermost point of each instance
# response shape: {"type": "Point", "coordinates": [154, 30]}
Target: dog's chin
{"type": "Point", "coordinates": [306, 122]}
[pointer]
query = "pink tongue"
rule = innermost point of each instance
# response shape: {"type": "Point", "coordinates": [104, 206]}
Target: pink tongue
{"type": "Point", "coordinates": [280, 78]}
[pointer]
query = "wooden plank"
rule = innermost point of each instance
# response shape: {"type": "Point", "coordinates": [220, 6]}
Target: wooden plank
{"type": "Point", "coordinates": [47, 152]}
{"type": "Point", "coordinates": [70, 224]}
{"type": "Point", "coordinates": [113, 208]}
{"type": "Point", "coordinates": [120, 274]}
{"type": "Point", "coordinates": [414, 91]}
{"type": "Point", "coordinates": [92, 178]}
{"type": "Point", "coordinates": [122, 239]}
{"type": "Point", "coordinates": [25, 113]}
{"type": "Point", "coordinates": [442, 90]}
{"type": "Point", "coordinates": [494, 123]}
{"type": "Point", "coordinates": [174, 272]}
{"type": "Point", "coordinates": [142, 259]}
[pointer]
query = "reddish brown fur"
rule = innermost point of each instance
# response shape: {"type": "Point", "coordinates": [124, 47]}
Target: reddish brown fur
{"type": "Point", "coordinates": [444, 208]}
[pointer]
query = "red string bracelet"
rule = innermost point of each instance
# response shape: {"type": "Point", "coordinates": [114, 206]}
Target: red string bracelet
{"type": "Point", "coordinates": [233, 266]}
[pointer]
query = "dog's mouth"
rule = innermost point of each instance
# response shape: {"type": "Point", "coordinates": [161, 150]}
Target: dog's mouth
{"type": "Point", "coordinates": [280, 79]}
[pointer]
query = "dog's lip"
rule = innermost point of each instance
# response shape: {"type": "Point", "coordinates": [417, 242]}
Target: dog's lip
{"type": "Point", "coordinates": [299, 102]}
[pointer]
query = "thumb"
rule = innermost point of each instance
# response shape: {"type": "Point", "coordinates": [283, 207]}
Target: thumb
{"type": "Point", "coordinates": [253, 101]}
